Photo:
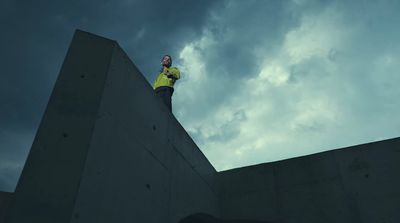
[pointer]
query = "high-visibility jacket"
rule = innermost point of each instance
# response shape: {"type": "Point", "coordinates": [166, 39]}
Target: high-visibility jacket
{"type": "Point", "coordinates": [164, 80]}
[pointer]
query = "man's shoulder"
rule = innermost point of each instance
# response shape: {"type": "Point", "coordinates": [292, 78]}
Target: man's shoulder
{"type": "Point", "coordinates": [174, 68]}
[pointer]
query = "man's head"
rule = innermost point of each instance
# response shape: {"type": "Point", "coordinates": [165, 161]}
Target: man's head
{"type": "Point", "coordinates": [166, 61]}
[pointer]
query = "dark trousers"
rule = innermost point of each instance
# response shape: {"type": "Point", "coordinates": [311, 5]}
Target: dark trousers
{"type": "Point", "coordinates": [165, 93]}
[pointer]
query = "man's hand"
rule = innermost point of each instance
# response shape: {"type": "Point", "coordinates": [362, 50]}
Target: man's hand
{"type": "Point", "coordinates": [169, 75]}
{"type": "Point", "coordinates": [165, 71]}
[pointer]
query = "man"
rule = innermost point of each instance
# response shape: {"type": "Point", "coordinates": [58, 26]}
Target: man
{"type": "Point", "coordinates": [164, 83]}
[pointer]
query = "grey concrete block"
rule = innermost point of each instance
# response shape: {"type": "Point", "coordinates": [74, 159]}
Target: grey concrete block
{"type": "Point", "coordinates": [354, 184]}
{"type": "Point", "coordinates": [51, 176]}
{"type": "Point", "coordinates": [107, 149]}
{"type": "Point", "coordinates": [6, 199]}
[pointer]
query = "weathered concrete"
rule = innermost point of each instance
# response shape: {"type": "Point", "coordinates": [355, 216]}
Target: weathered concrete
{"type": "Point", "coordinates": [355, 184]}
{"type": "Point", "coordinates": [107, 149]}
{"type": "Point", "coordinates": [5, 201]}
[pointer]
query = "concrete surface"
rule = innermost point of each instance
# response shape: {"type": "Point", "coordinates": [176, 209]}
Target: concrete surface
{"type": "Point", "coordinates": [107, 149]}
{"type": "Point", "coordinates": [355, 184]}
{"type": "Point", "coordinates": [6, 199]}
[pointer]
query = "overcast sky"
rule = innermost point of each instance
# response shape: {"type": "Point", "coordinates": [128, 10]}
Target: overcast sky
{"type": "Point", "coordinates": [261, 80]}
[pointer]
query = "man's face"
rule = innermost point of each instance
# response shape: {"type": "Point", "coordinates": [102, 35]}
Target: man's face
{"type": "Point", "coordinates": [166, 61]}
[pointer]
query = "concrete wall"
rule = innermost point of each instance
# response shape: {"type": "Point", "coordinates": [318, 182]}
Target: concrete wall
{"type": "Point", "coordinates": [6, 199]}
{"type": "Point", "coordinates": [355, 184]}
{"type": "Point", "coordinates": [108, 150]}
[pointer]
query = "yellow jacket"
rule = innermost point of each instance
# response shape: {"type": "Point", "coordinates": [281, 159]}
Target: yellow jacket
{"type": "Point", "coordinates": [164, 80]}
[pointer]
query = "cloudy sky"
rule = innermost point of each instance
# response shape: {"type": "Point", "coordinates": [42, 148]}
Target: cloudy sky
{"type": "Point", "coordinates": [262, 80]}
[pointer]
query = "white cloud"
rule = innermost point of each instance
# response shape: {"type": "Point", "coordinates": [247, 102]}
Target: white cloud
{"type": "Point", "coordinates": [194, 76]}
{"type": "Point", "coordinates": [304, 98]}
{"type": "Point", "coordinates": [316, 36]}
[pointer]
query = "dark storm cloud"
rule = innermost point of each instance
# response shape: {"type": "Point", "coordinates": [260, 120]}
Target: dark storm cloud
{"type": "Point", "coordinates": [242, 31]}
{"type": "Point", "coordinates": [237, 42]}
{"type": "Point", "coordinates": [14, 149]}
{"type": "Point", "coordinates": [34, 40]}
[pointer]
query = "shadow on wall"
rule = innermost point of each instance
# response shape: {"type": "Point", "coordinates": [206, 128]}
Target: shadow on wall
{"type": "Point", "coordinates": [206, 218]}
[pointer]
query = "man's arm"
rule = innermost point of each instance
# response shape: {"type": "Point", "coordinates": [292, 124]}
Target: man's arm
{"type": "Point", "coordinates": [172, 73]}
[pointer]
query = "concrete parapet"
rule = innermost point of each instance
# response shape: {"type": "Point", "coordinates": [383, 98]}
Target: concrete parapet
{"type": "Point", "coordinates": [107, 149]}
{"type": "Point", "coordinates": [354, 184]}
{"type": "Point", "coordinates": [6, 199]}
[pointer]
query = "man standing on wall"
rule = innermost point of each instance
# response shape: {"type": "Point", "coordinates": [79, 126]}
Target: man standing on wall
{"type": "Point", "coordinates": [164, 83]}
